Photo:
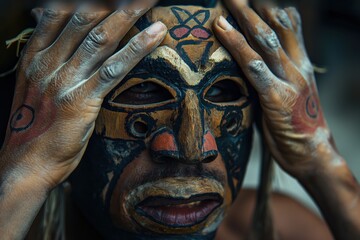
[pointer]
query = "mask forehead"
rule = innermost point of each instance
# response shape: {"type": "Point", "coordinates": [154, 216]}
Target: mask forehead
{"type": "Point", "coordinates": [190, 46]}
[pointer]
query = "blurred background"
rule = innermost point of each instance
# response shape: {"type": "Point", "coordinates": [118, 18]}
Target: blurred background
{"type": "Point", "coordinates": [332, 35]}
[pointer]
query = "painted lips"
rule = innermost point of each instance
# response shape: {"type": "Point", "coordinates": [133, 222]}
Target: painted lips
{"type": "Point", "coordinates": [175, 212]}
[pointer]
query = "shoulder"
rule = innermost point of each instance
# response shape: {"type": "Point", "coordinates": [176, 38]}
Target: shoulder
{"type": "Point", "coordinates": [291, 219]}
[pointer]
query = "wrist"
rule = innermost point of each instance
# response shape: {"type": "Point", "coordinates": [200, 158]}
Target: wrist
{"type": "Point", "coordinates": [21, 197]}
{"type": "Point", "coordinates": [14, 174]}
{"type": "Point", "coordinates": [321, 157]}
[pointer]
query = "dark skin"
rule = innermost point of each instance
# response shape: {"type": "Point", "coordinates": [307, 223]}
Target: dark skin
{"type": "Point", "coordinates": [292, 221]}
{"type": "Point", "coordinates": [71, 98]}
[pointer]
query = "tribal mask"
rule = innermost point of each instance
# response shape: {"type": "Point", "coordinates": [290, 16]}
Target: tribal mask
{"type": "Point", "coordinates": [172, 141]}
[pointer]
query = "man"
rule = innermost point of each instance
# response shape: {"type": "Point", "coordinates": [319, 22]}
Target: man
{"type": "Point", "coordinates": [171, 141]}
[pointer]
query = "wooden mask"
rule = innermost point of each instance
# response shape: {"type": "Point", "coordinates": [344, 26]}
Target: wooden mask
{"type": "Point", "coordinates": [172, 141]}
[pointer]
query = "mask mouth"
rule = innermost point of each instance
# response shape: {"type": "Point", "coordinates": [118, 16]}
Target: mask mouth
{"type": "Point", "coordinates": [178, 205]}
{"type": "Point", "coordinates": [179, 212]}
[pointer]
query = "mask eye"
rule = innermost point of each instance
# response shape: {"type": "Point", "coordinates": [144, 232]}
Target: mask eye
{"type": "Point", "coordinates": [224, 91]}
{"type": "Point", "coordinates": [144, 93]}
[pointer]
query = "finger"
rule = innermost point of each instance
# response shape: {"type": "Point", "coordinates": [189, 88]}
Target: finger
{"type": "Point", "coordinates": [37, 13]}
{"type": "Point", "coordinates": [74, 33]}
{"type": "Point", "coordinates": [119, 65]}
{"type": "Point", "coordinates": [103, 40]}
{"type": "Point", "coordinates": [51, 24]}
{"type": "Point", "coordinates": [251, 63]}
{"type": "Point", "coordinates": [262, 38]}
{"type": "Point", "coordinates": [289, 32]}
{"type": "Point", "coordinates": [295, 18]}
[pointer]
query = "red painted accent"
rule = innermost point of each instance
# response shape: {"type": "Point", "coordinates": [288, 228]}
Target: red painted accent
{"type": "Point", "coordinates": [164, 142]}
{"type": "Point", "coordinates": [181, 32]}
{"type": "Point", "coordinates": [307, 112]}
{"type": "Point", "coordinates": [209, 143]}
{"type": "Point", "coordinates": [200, 33]}
{"type": "Point", "coordinates": [44, 117]}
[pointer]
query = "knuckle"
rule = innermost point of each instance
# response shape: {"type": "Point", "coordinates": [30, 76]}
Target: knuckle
{"type": "Point", "coordinates": [109, 72]}
{"type": "Point", "coordinates": [96, 39]}
{"type": "Point", "coordinates": [283, 18]}
{"type": "Point", "coordinates": [272, 40]}
{"type": "Point", "coordinates": [51, 15]}
{"type": "Point", "coordinates": [81, 19]}
{"type": "Point", "coordinates": [136, 46]}
{"type": "Point", "coordinates": [257, 66]}
{"type": "Point", "coordinates": [132, 13]}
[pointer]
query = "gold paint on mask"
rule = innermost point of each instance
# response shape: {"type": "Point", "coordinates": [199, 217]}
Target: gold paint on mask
{"type": "Point", "coordinates": [194, 123]}
{"type": "Point", "coordinates": [191, 128]}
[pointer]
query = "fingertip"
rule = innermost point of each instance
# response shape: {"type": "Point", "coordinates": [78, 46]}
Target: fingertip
{"type": "Point", "coordinates": [222, 24]}
{"type": "Point", "coordinates": [37, 13]}
{"type": "Point", "coordinates": [157, 28]}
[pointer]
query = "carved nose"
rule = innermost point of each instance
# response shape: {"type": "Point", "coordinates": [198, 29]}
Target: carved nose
{"type": "Point", "coordinates": [164, 149]}
{"type": "Point", "coordinates": [209, 150]}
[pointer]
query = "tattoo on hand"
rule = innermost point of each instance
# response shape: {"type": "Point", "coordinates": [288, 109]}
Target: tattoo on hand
{"type": "Point", "coordinates": [307, 115]}
{"type": "Point", "coordinates": [22, 119]}
{"type": "Point", "coordinates": [312, 108]}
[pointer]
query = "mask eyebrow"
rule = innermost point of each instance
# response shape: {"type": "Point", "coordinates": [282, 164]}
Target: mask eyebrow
{"type": "Point", "coordinates": [174, 61]}
{"type": "Point", "coordinates": [166, 65]}
{"type": "Point", "coordinates": [159, 69]}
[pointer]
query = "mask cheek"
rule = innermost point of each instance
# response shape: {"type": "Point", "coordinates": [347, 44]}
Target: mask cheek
{"type": "Point", "coordinates": [119, 209]}
{"type": "Point", "coordinates": [233, 132]}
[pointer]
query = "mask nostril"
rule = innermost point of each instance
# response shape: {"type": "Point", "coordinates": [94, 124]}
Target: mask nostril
{"type": "Point", "coordinates": [211, 157]}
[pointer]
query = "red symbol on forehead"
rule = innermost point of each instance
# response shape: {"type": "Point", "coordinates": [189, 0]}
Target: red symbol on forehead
{"type": "Point", "coordinates": [181, 32]}
{"type": "Point", "coordinates": [184, 17]}
{"type": "Point", "coordinates": [201, 33]}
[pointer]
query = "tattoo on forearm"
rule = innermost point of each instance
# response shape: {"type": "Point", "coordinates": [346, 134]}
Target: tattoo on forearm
{"type": "Point", "coordinates": [22, 119]}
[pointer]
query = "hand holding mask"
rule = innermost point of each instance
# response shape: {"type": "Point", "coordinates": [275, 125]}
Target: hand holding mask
{"type": "Point", "coordinates": [60, 87]}
{"type": "Point", "coordinates": [273, 58]}
{"type": "Point", "coordinates": [64, 74]}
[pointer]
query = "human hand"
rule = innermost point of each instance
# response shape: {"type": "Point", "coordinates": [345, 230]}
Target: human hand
{"type": "Point", "coordinates": [273, 58]}
{"type": "Point", "coordinates": [64, 74]}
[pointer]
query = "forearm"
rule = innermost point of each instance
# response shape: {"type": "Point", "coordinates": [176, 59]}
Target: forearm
{"type": "Point", "coordinates": [21, 197]}
{"type": "Point", "coordinates": [337, 194]}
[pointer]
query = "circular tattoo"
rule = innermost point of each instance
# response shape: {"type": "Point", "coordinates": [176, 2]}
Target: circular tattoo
{"type": "Point", "coordinates": [312, 108]}
{"type": "Point", "coordinates": [22, 119]}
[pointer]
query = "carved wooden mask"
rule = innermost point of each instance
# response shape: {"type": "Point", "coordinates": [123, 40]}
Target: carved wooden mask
{"type": "Point", "coordinates": [172, 141]}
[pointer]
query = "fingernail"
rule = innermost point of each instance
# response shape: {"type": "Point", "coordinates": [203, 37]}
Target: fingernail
{"type": "Point", "coordinates": [224, 24]}
{"type": "Point", "coordinates": [156, 28]}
